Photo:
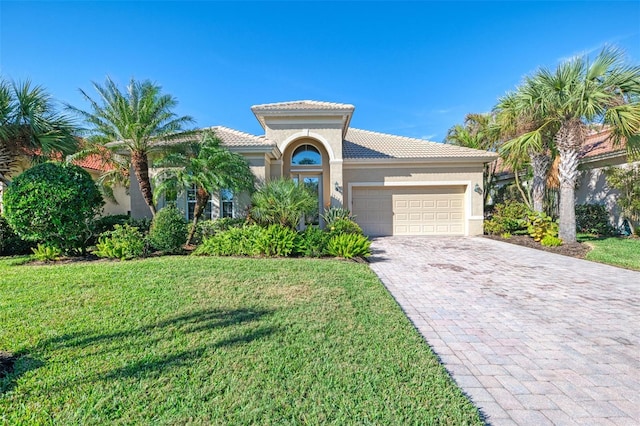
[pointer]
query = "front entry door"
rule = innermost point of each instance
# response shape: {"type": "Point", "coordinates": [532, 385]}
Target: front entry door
{"type": "Point", "coordinates": [314, 184]}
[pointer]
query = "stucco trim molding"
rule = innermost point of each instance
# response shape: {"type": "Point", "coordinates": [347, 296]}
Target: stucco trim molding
{"type": "Point", "coordinates": [468, 193]}
{"type": "Point", "coordinates": [306, 133]}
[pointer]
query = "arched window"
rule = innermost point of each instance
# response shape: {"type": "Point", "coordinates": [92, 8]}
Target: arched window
{"type": "Point", "coordinates": [306, 155]}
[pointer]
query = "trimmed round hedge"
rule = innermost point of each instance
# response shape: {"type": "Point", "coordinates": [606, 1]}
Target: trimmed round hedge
{"type": "Point", "coordinates": [54, 204]}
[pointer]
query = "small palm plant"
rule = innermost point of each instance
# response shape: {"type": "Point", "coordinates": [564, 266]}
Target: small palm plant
{"type": "Point", "coordinates": [282, 201]}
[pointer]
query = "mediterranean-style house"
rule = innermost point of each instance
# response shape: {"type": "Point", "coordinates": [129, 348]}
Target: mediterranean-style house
{"type": "Point", "coordinates": [393, 185]}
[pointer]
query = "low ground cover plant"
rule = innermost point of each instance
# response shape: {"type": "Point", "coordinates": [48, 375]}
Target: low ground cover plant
{"type": "Point", "coordinates": [124, 242]}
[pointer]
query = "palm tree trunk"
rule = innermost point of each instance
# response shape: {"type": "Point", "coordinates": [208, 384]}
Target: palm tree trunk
{"type": "Point", "coordinates": [140, 164]}
{"type": "Point", "coordinates": [540, 164]}
{"type": "Point", "coordinates": [202, 198]}
{"type": "Point", "coordinates": [569, 141]}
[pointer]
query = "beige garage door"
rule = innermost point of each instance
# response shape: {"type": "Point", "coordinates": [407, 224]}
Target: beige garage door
{"type": "Point", "coordinates": [410, 210]}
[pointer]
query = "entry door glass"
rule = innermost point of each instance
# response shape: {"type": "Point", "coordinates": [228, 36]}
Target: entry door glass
{"type": "Point", "coordinates": [314, 185]}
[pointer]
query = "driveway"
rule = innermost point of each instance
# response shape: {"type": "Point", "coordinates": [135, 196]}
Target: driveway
{"type": "Point", "coordinates": [532, 337]}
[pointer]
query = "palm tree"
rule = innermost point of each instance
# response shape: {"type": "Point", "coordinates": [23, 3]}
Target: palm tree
{"type": "Point", "coordinates": [576, 94]}
{"type": "Point", "coordinates": [31, 125]}
{"type": "Point", "coordinates": [478, 132]}
{"type": "Point", "coordinates": [134, 120]}
{"type": "Point", "coordinates": [207, 166]}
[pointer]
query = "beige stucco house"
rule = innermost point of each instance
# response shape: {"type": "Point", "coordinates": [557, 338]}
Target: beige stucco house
{"type": "Point", "coordinates": [394, 185]}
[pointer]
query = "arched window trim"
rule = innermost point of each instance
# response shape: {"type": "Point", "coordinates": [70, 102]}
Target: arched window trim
{"type": "Point", "coordinates": [306, 148]}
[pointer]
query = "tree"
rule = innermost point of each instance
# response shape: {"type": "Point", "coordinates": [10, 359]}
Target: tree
{"type": "Point", "coordinates": [576, 94]}
{"type": "Point", "coordinates": [478, 132]}
{"type": "Point", "coordinates": [283, 202]}
{"type": "Point", "coordinates": [207, 166]}
{"type": "Point", "coordinates": [31, 125]}
{"type": "Point", "coordinates": [134, 120]}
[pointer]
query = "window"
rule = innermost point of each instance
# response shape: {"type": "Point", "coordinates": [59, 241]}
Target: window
{"type": "Point", "coordinates": [191, 205]}
{"type": "Point", "coordinates": [226, 203]}
{"type": "Point", "coordinates": [306, 155]}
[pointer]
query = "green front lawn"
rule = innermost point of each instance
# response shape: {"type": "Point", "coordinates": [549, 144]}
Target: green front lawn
{"type": "Point", "coordinates": [617, 251]}
{"type": "Point", "coordinates": [177, 340]}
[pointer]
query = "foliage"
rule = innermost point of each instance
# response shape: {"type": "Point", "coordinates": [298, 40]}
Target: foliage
{"type": "Point", "coordinates": [55, 204]}
{"type": "Point", "coordinates": [31, 125]}
{"type": "Point", "coordinates": [349, 246]}
{"type": "Point", "coordinates": [276, 240]}
{"type": "Point", "coordinates": [143, 224]}
{"type": "Point", "coordinates": [541, 226]}
{"type": "Point", "coordinates": [593, 219]}
{"type": "Point", "coordinates": [334, 213]}
{"type": "Point", "coordinates": [551, 241]}
{"type": "Point", "coordinates": [233, 242]}
{"type": "Point", "coordinates": [510, 216]}
{"type": "Point", "coordinates": [506, 235]}
{"type": "Point", "coordinates": [344, 226]}
{"type": "Point", "coordinates": [627, 181]}
{"type": "Point", "coordinates": [135, 119]}
{"type": "Point", "coordinates": [107, 223]}
{"type": "Point", "coordinates": [10, 243]}
{"type": "Point", "coordinates": [168, 231]}
{"type": "Point", "coordinates": [312, 242]}
{"type": "Point", "coordinates": [282, 201]}
{"type": "Point", "coordinates": [124, 242]}
{"type": "Point", "coordinates": [46, 253]}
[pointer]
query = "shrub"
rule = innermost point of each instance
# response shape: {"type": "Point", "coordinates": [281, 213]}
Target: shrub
{"type": "Point", "coordinates": [510, 216]}
{"type": "Point", "coordinates": [168, 231]}
{"type": "Point", "coordinates": [55, 204]}
{"type": "Point", "coordinates": [208, 228]}
{"type": "Point", "coordinates": [10, 243]}
{"type": "Point", "coordinates": [143, 224]}
{"type": "Point", "coordinates": [276, 240]}
{"type": "Point", "coordinates": [282, 201]}
{"type": "Point", "coordinates": [541, 225]}
{"type": "Point", "coordinates": [349, 246]}
{"type": "Point", "coordinates": [46, 253]}
{"type": "Point", "coordinates": [506, 235]}
{"type": "Point", "coordinates": [335, 213]}
{"type": "Point", "coordinates": [593, 219]}
{"type": "Point", "coordinates": [344, 226]}
{"type": "Point", "coordinates": [124, 242]}
{"type": "Point", "coordinates": [551, 241]}
{"type": "Point", "coordinates": [312, 242]}
{"type": "Point", "coordinates": [233, 242]}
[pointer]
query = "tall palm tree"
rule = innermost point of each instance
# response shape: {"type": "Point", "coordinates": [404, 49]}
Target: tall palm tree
{"type": "Point", "coordinates": [207, 166]}
{"type": "Point", "coordinates": [31, 125]}
{"type": "Point", "coordinates": [477, 132]}
{"type": "Point", "coordinates": [133, 120]}
{"type": "Point", "coordinates": [576, 94]}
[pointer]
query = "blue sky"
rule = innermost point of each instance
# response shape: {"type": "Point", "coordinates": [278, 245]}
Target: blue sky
{"type": "Point", "coordinates": [410, 68]}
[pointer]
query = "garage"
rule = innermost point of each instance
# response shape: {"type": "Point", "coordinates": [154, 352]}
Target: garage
{"type": "Point", "coordinates": [410, 210]}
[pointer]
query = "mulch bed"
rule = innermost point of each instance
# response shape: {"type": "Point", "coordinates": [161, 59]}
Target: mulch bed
{"type": "Point", "coordinates": [6, 363]}
{"type": "Point", "coordinates": [578, 250]}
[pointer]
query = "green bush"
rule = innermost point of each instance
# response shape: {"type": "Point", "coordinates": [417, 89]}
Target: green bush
{"type": "Point", "coordinates": [233, 242]}
{"type": "Point", "coordinates": [143, 224]}
{"type": "Point", "coordinates": [168, 232]}
{"type": "Point", "coordinates": [349, 246]}
{"type": "Point", "coordinates": [593, 219]}
{"type": "Point", "coordinates": [312, 242]}
{"type": "Point", "coordinates": [541, 225]}
{"type": "Point", "coordinates": [124, 242]}
{"type": "Point", "coordinates": [46, 253]}
{"type": "Point", "coordinates": [208, 228]}
{"type": "Point", "coordinates": [344, 226]}
{"type": "Point", "coordinates": [10, 243]}
{"type": "Point", "coordinates": [335, 213]}
{"type": "Point", "coordinates": [551, 241]}
{"type": "Point", "coordinates": [55, 204]}
{"type": "Point", "coordinates": [276, 240]}
{"type": "Point", "coordinates": [510, 216]}
{"type": "Point", "coordinates": [282, 201]}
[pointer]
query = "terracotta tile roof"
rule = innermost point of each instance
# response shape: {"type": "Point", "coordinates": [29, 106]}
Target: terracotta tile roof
{"type": "Point", "coordinates": [302, 105]}
{"type": "Point", "coordinates": [599, 143]}
{"type": "Point", "coordinates": [364, 144]}
{"type": "Point", "coordinates": [93, 162]}
{"type": "Point", "coordinates": [232, 137]}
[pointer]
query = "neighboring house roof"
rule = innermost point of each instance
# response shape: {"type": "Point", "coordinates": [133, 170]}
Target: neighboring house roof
{"type": "Point", "coordinates": [302, 105]}
{"type": "Point", "coordinates": [93, 162]}
{"type": "Point", "coordinates": [599, 145]}
{"type": "Point", "coordinates": [368, 145]}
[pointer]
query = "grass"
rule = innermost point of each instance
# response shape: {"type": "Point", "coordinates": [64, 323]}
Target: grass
{"type": "Point", "coordinates": [617, 251]}
{"type": "Point", "coordinates": [177, 340]}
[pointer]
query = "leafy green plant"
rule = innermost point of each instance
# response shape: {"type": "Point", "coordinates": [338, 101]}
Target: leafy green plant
{"type": "Point", "coordinates": [233, 242]}
{"type": "Point", "coordinates": [344, 226]}
{"type": "Point", "coordinates": [10, 243]}
{"type": "Point", "coordinates": [276, 240]}
{"type": "Point", "coordinates": [168, 231]}
{"type": "Point", "coordinates": [541, 225]}
{"type": "Point", "coordinates": [55, 204]}
{"type": "Point", "coordinates": [349, 246]}
{"type": "Point", "coordinates": [124, 242]}
{"type": "Point", "coordinates": [46, 253]}
{"type": "Point", "coordinates": [627, 181]}
{"type": "Point", "coordinates": [208, 228]}
{"type": "Point", "coordinates": [551, 241]}
{"type": "Point", "coordinates": [312, 242]}
{"type": "Point", "coordinates": [143, 224]}
{"type": "Point", "coordinates": [282, 201]}
{"type": "Point", "coordinates": [593, 219]}
{"type": "Point", "coordinates": [335, 213]}
{"type": "Point", "coordinates": [506, 235]}
{"type": "Point", "coordinates": [510, 216]}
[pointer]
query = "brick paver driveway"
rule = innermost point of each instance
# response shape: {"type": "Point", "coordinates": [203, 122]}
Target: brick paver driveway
{"type": "Point", "coordinates": [533, 338]}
